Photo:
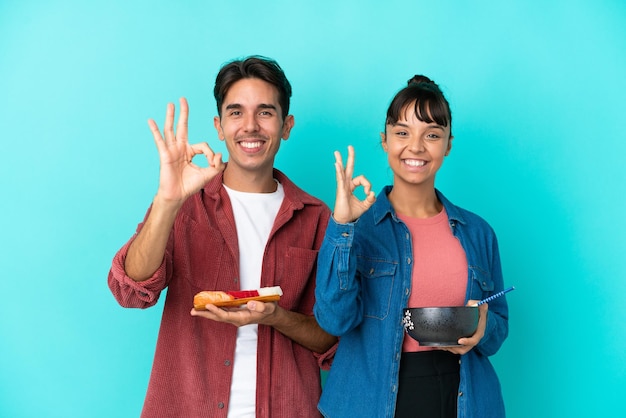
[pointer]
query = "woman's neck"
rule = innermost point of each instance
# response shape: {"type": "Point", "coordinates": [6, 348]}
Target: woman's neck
{"type": "Point", "coordinates": [415, 202]}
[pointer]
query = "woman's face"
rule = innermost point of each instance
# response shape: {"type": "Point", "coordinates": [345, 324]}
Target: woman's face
{"type": "Point", "coordinates": [415, 149]}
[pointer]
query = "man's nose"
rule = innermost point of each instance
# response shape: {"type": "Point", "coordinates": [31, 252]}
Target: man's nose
{"type": "Point", "coordinates": [250, 123]}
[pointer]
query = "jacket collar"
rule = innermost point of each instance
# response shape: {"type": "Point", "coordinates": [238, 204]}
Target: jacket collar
{"type": "Point", "coordinates": [382, 207]}
{"type": "Point", "coordinates": [296, 197]}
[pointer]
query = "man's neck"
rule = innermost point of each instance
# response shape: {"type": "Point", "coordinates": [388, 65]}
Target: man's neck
{"type": "Point", "coordinates": [250, 182]}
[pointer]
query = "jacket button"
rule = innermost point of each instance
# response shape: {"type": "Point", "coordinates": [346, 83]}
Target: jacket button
{"type": "Point", "coordinates": [220, 405]}
{"type": "Point", "coordinates": [408, 261]}
{"type": "Point", "coordinates": [460, 393]}
{"type": "Point", "coordinates": [226, 362]}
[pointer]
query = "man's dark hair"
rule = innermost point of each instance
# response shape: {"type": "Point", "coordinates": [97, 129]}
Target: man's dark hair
{"type": "Point", "coordinates": [254, 66]}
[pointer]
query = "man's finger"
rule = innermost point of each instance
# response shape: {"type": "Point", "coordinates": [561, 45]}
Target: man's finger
{"type": "Point", "coordinates": [168, 128]}
{"type": "Point", "coordinates": [183, 119]}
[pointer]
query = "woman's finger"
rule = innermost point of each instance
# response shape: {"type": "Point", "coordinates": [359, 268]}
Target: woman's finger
{"type": "Point", "coordinates": [350, 162]}
{"type": "Point", "coordinates": [339, 172]}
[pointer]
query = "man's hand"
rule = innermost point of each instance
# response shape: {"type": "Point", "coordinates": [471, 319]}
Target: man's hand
{"type": "Point", "coordinates": [254, 312]}
{"type": "Point", "coordinates": [179, 179]}
{"type": "Point", "coordinates": [303, 329]}
{"type": "Point", "coordinates": [179, 176]}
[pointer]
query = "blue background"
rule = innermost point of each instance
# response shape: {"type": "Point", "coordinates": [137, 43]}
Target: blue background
{"type": "Point", "coordinates": [536, 89]}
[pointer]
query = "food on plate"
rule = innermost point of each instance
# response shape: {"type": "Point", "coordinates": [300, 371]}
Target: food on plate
{"type": "Point", "coordinates": [209, 296]}
{"type": "Point", "coordinates": [235, 297]}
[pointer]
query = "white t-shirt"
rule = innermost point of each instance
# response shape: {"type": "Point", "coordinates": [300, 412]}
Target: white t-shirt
{"type": "Point", "coordinates": [254, 217]}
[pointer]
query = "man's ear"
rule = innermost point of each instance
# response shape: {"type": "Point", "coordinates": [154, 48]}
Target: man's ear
{"type": "Point", "coordinates": [383, 140]}
{"type": "Point", "coordinates": [218, 127]}
{"type": "Point", "coordinates": [288, 124]}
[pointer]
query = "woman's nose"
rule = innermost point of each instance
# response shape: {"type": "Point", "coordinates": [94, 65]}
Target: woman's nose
{"type": "Point", "coordinates": [416, 144]}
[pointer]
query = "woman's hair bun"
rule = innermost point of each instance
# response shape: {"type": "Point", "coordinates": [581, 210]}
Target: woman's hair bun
{"type": "Point", "coordinates": [419, 79]}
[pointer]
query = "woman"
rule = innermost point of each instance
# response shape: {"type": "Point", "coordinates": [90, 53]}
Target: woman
{"type": "Point", "coordinates": [409, 247]}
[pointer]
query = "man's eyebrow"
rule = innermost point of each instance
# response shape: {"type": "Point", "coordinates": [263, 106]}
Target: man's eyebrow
{"type": "Point", "coordinates": [261, 106]}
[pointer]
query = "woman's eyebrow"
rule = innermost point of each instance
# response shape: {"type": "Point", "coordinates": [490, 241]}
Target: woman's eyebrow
{"type": "Point", "coordinates": [431, 126]}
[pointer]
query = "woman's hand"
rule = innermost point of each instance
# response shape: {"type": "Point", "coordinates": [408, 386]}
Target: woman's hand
{"type": "Point", "coordinates": [179, 176]}
{"type": "Point", "coordinates": [348, 207]}
{"type": "Point", "coordinates": [466, 344]}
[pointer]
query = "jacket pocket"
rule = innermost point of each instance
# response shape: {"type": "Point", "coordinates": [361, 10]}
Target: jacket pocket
{"type": "Point", "coordinates": [377, 278]}
{"type": "Point", "coordinates": [481, 283]}
{"type": "Point", "coordinates": [294, 274]}
{"type": "Point", "coordinates": [201, 257]}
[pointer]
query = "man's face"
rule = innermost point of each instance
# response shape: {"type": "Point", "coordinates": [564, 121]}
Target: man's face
{"type": "Point", "coordinates": [252, 126]}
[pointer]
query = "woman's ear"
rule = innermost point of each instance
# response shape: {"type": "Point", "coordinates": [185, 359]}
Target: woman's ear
{"type": "Point", "coordinates": [449, 146]}
{"type": "Point", "coordinates": [383, 140]}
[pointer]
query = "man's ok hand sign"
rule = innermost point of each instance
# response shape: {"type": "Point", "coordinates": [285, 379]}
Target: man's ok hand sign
{"type": "Point", "coordinates": [179, 176]}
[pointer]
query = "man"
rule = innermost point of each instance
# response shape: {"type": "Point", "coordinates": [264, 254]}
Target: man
{"type": "Point", "coordinates": [240, 225]}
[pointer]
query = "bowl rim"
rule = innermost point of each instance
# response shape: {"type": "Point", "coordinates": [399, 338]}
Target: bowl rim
{"type": "Point", "coordinates": [442, 307]}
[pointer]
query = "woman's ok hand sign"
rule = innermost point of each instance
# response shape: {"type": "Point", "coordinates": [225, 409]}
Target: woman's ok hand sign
{"type": "Point", "coordinates": [348, 207]}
